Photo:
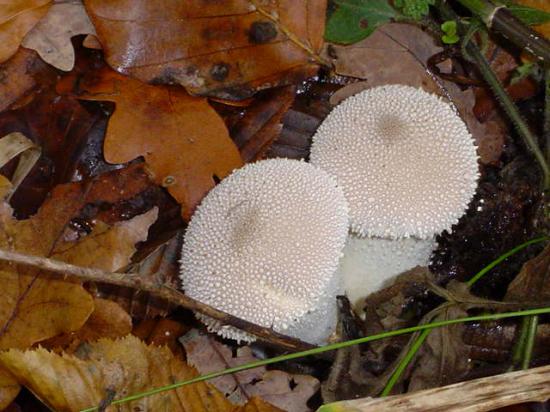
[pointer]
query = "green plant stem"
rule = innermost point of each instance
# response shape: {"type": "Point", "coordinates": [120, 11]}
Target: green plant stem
{"type": "Point", "coordinates": [473, 53]}
{"type": "Point", "coordinates": [481, 8]}
{"type": "Point", "coordinates": [411, 353]}
{"type": "Point", "coordinates": [533, 322]}
{"type": "Point", "coordinates": [403, 363]}
{"type": "Point", "coordinates": [519, 347]}
{"type": "Point", "coordinates": [339, 345]}
{"type": "Point", "coordinates": [511, 110]}
{"type": "Point", "coordinates": [546, 128]}
{"type": "Point", "coordinates": [499, 19]}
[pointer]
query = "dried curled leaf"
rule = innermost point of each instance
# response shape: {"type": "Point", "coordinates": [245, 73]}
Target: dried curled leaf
{"type": "Point", "coordinates": [532, 284]}
{"type": "Point", "coordinates": [13, 145]}
{"type": "Point", "coordinates": [228, 48]}
{"type": "Point", "coordinates": [123, 367]}
{"type": "Point", "coordinates": [51, 37]}
{"type": "Point", "coordinates": [17, 17]}
{"type": "Point", "coordinates": [288, 392]}
{"type": "Point", "coordinates": [183, 140]}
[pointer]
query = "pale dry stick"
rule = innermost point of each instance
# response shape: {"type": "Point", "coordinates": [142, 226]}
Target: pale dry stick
{"type": "Point", "coordinates": [134, 281]}
{"type": "Point", "coordinates": [485, 394]}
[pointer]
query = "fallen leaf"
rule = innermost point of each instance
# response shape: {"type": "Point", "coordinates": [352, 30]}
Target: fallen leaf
{"type": "Point", "coordinates": [532, 284]}
{"type": "Point", "coordinates": [51, 37]}
{"type": "Point", "coordinates": [262, 123]}
{"type": "Point", "coordinates": [107, 247]}
{"type": "Point", "coordinates": [68, 134]}
{"type": "Point", "coordinates": [108, 320]}
{"type": "Point", "coordinates": [183, 140]}
{"type": "Point", "coordinates": [228, 49]}
{"type": "Point", "coordinates": [35, 307]}
{"type": "Point", "coordinates": [288, 392]}
{"type": "Point", "coordinates": [444, 357]}
{"type": "Point", "coordinates": [18, 76]}
{"type": "Point", "coordinates": [17, 18]}
{"type": "Point", "coordinates": [397, 53]}
{"type": "Point", "coordinates": [11, 146]}
{"type": "Point", "coordinates": [159, 266]}
{"type": "Point", "coordinates": [161, 332]}
{"type": "Point", "coordinates": [123, 367]}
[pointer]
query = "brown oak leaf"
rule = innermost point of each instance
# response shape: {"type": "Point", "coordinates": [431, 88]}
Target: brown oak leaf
{"type": "Point", "coordinates": [51, 37]}
{"type": "Point", "coordinates": [228, 48]}
{"type": "Point", "coordinates": [183, 140]}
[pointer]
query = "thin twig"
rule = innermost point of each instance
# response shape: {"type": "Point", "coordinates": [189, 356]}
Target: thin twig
{"type": "Point", "coordinates": [477, 395]}
{"type": "Point", "coordinates": [134, 281]}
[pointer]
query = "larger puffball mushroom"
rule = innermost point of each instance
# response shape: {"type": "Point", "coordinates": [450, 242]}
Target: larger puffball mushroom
{"type": "Point", "coordinates": [404, 158]}
{"type": "Point", "coordinates": [264, 246]}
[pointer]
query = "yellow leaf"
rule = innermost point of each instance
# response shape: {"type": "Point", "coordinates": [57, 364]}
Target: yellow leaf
{"type": "Point", "coordinates": [126, 366]}
{"type": "Point", "coordinates": [17, 18]}
{"type": "Point", "coordinates": [35, 307]}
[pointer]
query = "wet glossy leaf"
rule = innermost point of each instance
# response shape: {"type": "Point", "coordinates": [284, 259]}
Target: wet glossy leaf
{"type": "Point", "coordinates": [183, 140]}
{"type": "Point", "coordinates": [228, 48]}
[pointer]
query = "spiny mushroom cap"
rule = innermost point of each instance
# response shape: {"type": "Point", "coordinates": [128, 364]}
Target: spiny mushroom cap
{"type": "Point", "coordinates": [404, 158]}
{"type": "Point", "coordinates": [370, 263]}
{"type": "Point", "coordinates": [264, 245]}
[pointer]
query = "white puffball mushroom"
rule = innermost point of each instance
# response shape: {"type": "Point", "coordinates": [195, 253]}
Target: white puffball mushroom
{"type": "Point", "coordinates": [404, 158]}
{"type": "Point", "coordinates": [264, 246]}
{"type": "Point", "coordinates": [369, 264]}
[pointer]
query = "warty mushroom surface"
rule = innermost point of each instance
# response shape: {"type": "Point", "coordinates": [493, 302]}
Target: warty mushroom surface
{"type": "Point", "coordinates": [264, 246]}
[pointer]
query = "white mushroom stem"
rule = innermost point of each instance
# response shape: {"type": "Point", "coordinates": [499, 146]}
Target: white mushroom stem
{"type": "Point", "coordinates": [369, 264]}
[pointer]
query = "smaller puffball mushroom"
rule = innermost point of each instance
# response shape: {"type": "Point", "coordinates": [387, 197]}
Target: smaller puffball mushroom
{"type": "Point", "coordinates": [264, 246]}
{"type": "Point", "coordinates": [404, 158]}
{"type": "Point", "coordinates": [370, 263]}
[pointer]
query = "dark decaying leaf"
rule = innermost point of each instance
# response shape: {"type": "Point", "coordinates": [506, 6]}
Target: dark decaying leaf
{"type": "Point", "coordinates": [65, 131]}
{"type": "Point", "coordinates": [363, 371]}
{"type": "Point", "coordinates": [227, 49]}
{"type": "Point", "coordinates": [310, 107]}
{"type": "Point", "coordinates": [532, 284]}
{"type": "Point", "coordinates": [285, 391]}
{"type": "Point", "coordinates": [21, 74]}
{"type": "Point", "coordinates": [443, 359]}
{"type": "Point", "coordinates": [262, 123]}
